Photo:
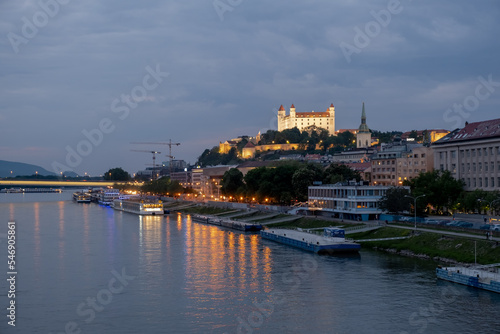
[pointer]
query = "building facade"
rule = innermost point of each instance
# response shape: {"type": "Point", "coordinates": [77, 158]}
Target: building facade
{"type": "Point", "coordinates": [302, 120]}
{"type": "Point", "coordinates": [399, 162]}
{"type": "Point", "coordinates": [472, 154]}
{"type": "Point", "coordinates": [352, 200]}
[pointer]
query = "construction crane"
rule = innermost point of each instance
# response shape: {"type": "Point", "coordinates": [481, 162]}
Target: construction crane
{"type": "Point", "coordinates": [153, 175]}
{"type": "Point", "coordinates": [170, 156]}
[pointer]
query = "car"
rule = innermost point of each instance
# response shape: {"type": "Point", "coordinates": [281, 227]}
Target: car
{"type": "Point", "coordinates": [485, 227]}
{"type": "Point", "coordinates": [495, 227]}
{"type": "Point", "coordinates": [465, 224]}
{"type": "Point", "coordinates": [431, 221]}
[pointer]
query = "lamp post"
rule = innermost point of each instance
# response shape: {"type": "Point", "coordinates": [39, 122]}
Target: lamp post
{"type": "Point", "coordinates": [415, 206]}
{"type": "Point", "coordinates": [489, 202]}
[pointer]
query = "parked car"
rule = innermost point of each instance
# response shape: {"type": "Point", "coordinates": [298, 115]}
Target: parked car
{"type": "Point", "coordinates": [485, 227]}
{"type": "Point", "coordinates": [431, 221]}
{"type": "Point", "coordinates": [495, 227]}
{"type": "Point", "coordinates": [465, 224]}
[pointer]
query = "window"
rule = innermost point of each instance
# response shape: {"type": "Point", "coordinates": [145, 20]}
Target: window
{"type": "Point", "coordinates": [422, 155]}
{"type": "Point", "coordinates": [473, 153]}
{"type": "Point", "coordinates": [480, 165]}
{"type": "Point", "coordinates": [453, 168]}
{"type": "Point", "coordinates": [485, 166]}
{"type": "Point", "coordinates": [441, 167]}
{"type": "Point", "coordinates": [415, 156]}
{"type": "Point", "coordinates": [468, 167]}
{"type": "Point", "coordinates": [486, 182]}
{"type": "Point", "coordinates": [478, 152]}
{"type": "Point", "coordinates": [453, 154]}
{"type": "Point", "coordinates": [485, 152]}
{"type": "Point", "coordinates": [480, 182]}
{"type": "Point", "coordinates": [474, 167]}
{"type": "Point", "coordinates": [468, 153]}
{"type": "Point", "coordinates": [492, 182]}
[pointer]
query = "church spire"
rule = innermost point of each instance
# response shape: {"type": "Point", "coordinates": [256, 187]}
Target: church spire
{"type": "Point", "coordinates": [363, 127]}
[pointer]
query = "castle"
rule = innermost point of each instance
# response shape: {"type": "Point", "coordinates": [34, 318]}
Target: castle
{"type": "Point", "coordinates": [303, 120]}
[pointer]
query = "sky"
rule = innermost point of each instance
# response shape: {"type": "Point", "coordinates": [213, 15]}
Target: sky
{"type": "Point", "coordinates": [82, 80]}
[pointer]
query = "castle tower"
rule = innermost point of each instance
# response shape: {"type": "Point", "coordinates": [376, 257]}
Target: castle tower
{"type": "Point", "coordinates": [292, 112]}
{"type": "Point", "coordinates": [281, 118]}
{"type": "Point", "coordinates": [363, 137]}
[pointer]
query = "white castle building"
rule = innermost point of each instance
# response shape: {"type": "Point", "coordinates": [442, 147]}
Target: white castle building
{"type": "Point", "coordinates": [302, 120]}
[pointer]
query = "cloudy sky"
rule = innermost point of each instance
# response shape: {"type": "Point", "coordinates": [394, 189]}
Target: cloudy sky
{"type": "Point", "coordinates": [89, 77]}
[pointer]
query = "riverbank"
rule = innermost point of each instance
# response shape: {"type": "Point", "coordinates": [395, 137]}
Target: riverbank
{"type": "Point", "coordinates": [433, 246]}
{"type": "Point", "coordinates": [437, 246]}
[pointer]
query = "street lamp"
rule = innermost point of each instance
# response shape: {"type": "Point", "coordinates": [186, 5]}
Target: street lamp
{"type": "Point", "coordinates": [489, 202]}
{"type": "Point", "coordinates": [415, 206]}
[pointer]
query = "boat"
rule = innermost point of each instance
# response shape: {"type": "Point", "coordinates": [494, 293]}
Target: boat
{"type": "Point", "coordinates": [107, 196]}
{"type": "Point", "coordinates": [486, 277]}
{"type": "Point", "coordinates": [332, 241]}
{"type": "Point", "coordinates": [81, 197]}
{"type": "Point", "coordinates": [139, 206]}
{"type": "Point", "coordinates": [235, 225]}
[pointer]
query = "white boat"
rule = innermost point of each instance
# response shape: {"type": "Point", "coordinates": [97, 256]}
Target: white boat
{"type": "Point", "coordinates": [81, 197]}
{"type": "Point", "coordinates": [139, 206]}
{"type": "Point", "coordinates": [107, 196]}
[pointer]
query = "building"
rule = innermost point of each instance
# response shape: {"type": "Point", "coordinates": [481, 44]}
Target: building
{"type": "Point", "coordinates": [398, 162]}
{"type": "Point", "coordinates": [302, 120]}
{"type": "Point", "coordinates": [364, 136]}
{"type": "Point", "coordinates": [184, 178]}
{"type": "Point", "coordinates": [472, 154]}
{"type": "Point", "coordinates": [207, 180]}
{"type": "Point", "coordinates": [351, 200]}
{"type": "Point", "coordinates": [427, 136]}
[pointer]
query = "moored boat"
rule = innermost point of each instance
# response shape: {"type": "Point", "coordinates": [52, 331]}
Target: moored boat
{"type": "Point", "coordinates": [107, 196]}
{"type": "Point", "coordinates": [81, 197]}
{"type": "Point", "coordinates": [236, 225]}
{"type": "Point", "coordinates": [139, 206]}
{"type": "Point", "coordinates": [486, 277]}
{"type": "Point", "coordinates": [331, 242]}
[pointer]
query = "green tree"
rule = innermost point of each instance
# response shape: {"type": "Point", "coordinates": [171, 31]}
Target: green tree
{"type": "Point", "coordinates": [116, 174]}
{"type": "Point", "coordinates": [303, 178]}
{"type": "Point", "coordinates": [232, 182]}
{"type": "Point", "coordinates": [340, 173]}
{"type": "Point", "coordinates": [441, 189]}
{"type": "Point", "coordinates": [394, 200]}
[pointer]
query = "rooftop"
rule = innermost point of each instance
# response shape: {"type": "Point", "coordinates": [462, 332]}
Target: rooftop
{"type": "Point", "coordinates": [473, 131]}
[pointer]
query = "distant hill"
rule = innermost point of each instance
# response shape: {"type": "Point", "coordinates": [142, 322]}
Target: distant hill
{"type": "Point", "coordinates": [19, 168]}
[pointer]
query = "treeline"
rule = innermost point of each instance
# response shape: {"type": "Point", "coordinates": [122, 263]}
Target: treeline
{"type": "Point", "coordinates": [162, 186]}
{"type": "Point", "coordinates": [308, 140]}
{"type": "Point", "coordinates": [284, 183]}
{"type": "Point", "coordinates": [438, 192]}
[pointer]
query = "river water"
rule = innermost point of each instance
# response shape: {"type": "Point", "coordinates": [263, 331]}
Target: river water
{"type": "Point", "coordinates": [84, 268]}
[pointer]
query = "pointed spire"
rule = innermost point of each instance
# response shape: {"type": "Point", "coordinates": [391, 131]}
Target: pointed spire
{"type": "Point", "coordinates": [293, 107]}
{"type": "Point", "coordinates": [363, 127]}
{"type": "Point", "coordinates": [331, 105]}
{"type": "Point", "coordinates": [281, 108]}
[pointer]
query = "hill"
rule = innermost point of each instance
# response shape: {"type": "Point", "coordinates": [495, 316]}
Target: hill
{"type": "Point", "coordinates": [19, 168]}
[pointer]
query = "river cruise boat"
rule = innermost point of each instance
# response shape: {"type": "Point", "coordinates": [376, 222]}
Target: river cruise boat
{"type": "Point", "coordinates": [107, 196]}
{"type": "Point", "coordinates": [332, 241]}
{"type": "Point", "coordinates": [485, 277]}
{"type": "Point", "coordinates": [139, 206]}
{"type": "Point", "coordinates": [81, 197]}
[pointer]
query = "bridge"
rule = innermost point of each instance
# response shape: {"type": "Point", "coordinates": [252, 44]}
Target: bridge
{"type": "Point", "coordinates": [55, 183]}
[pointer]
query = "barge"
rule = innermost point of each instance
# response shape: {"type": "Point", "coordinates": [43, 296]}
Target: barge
{"type": "Point", "coordinates": [486, 277]}
{"type": "Point", "coordinates": [235, 225]}
{"type": "Point", "coordinates": [332, 241]}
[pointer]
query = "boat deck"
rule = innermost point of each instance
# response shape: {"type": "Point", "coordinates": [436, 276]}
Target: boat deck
{"type": "Point", "coordinates": [483, 274]}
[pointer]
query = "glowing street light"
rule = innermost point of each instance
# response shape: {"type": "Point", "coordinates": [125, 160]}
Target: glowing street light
{"type": "Point", "coordinates": [415, 206]}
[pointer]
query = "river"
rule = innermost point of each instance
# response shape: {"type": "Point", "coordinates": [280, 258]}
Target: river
{"type": "Point", "coordinates": [85, 268]}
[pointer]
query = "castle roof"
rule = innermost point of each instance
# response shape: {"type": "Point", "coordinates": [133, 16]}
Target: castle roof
{"type": "Point", "coordinates": [292, 106]}
{"type": "Point", "coordinates": [331, 105]}
{"type": "Point", "coordinates": [313, 114]}
{"type": "Point", "coordinates": [281, 108]}
{"type": "Point", "coordinates": [249, 145]}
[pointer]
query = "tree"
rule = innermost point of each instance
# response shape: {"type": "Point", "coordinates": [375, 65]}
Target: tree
{"type": "Point", "coordinates": [303, 178]}
{"type": "Point", "coordinates": [116, 174]}
{"type": "Point", "coordinates": [394, 200]}
{"type": "Point", "coordinates": [232, 182]}
{"type": "Point", "coordinates": [338, 173]}
{"type": "Point", "coordinates": [441, 189]}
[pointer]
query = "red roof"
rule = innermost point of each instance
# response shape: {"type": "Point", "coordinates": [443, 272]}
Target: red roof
{"type": "Point", "coordinates": [249, 145]}
{"type": "Point", "coordinates": [281, 108]}
{"type": "Point", "coordinates": [292, 106]}
{"type": "Point", "coordinates": [477, 130]}
{"type": "Point", "coordinates": [313, 114]}
{"type": "Point", "coordinates": [331, 105]}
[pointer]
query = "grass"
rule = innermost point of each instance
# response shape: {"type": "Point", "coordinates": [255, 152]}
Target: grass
{"type": "Point", "coordinates": [433, 245]}
{"type": "Point", "coordinates": [305, 222]}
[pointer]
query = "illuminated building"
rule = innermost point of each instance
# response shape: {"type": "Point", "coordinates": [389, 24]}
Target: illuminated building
{"type": "Point", "coordinates": [303, 120]}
